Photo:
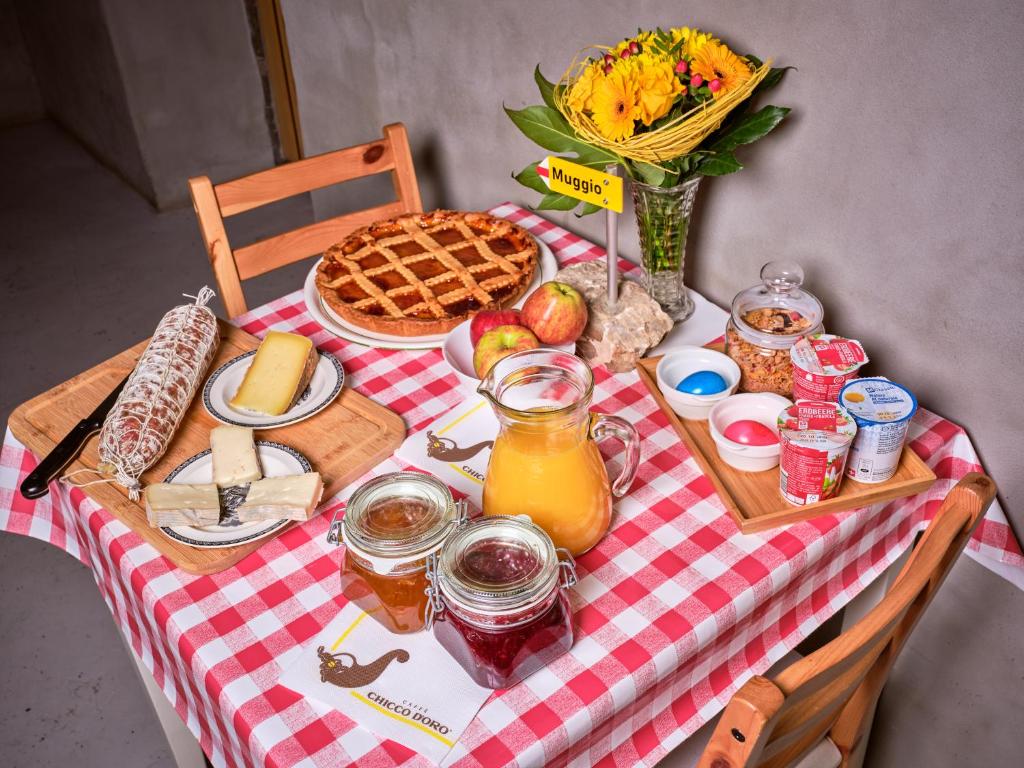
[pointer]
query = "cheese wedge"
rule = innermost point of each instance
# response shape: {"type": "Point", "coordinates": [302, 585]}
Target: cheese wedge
{"type": "Point", "coordinates": [293, 497]}
{"type": "Point", "coordinates": [280, 372]}
{"type": "Point", "coordinates": [234, 456]}
{"type": "Point", "coordinates": [182, 504]}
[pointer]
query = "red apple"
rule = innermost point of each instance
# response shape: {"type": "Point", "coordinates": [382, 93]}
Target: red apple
{"type": "Point", "coordinates": [487, 319]}
{"type": "Point", "coordinates": [501, 342]}
{"type": "Point", "coordinates": [556, 313]}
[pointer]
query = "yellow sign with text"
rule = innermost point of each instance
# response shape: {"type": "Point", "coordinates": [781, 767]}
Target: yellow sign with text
{"type": "Point", "coordinates": [586, 184]}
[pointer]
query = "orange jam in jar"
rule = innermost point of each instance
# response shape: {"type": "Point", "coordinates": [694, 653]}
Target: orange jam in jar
{"type": "Point", "coordinates": [391, 525]}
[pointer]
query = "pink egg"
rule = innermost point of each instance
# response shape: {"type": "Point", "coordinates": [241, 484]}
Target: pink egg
{"type": "Point", "coordinates": [750, 432]}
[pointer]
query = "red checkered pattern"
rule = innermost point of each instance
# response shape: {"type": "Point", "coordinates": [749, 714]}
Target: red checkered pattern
{"type": "Point", "coordinates": [675, 608]}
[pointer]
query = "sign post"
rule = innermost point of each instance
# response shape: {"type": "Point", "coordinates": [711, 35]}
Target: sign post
{"type": "Point", "coordinates": [611, 232]}
{"type": "Point", "coordinates": [594, 188]}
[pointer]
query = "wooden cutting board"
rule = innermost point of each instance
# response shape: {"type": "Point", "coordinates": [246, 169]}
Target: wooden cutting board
{"type": "Point", "coordinates": [753, 498]}
{"type": "Point", "coordinates": [343, 441]}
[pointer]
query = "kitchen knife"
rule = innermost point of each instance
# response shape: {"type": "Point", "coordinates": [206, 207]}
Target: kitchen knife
{"type": "Point", "coordinates": [37, 484]}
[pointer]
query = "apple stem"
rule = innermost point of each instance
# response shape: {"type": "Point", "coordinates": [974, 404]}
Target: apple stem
{"type": "Point", "coordinates": [612, 249]}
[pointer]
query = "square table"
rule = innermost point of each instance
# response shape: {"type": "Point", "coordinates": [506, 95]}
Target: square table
{"type": "Point", "coordinates": [675, 608]}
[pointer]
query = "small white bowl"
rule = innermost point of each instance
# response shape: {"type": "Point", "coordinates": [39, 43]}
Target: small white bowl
{"type": "Point", "coordinates": [457, 351]}
{"type": "Point", "coordinates": [676, 365]}
{"type": "Point", "coordinates": [763, 407]}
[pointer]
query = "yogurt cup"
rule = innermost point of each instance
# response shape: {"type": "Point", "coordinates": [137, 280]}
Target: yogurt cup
{"type": "Point", "coordinates": [882, 410]}
{"type": "Point", "coordinates": [822, 364]}
{"type": "Point", "coordinates": [815, 437]}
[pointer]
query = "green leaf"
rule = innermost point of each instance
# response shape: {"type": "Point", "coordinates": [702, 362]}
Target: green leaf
{"type": "Point", "coordinates": [546, 127]}
{"type": "Point", "coordinates": [649, 174]}
{"type": "Point", "coordinates": [547, 90]}
{"type": "Point", "coordinates": [529, 177]}
{"type": "Point", "coordinates": [588, 208]}
{"type": "Point", "coordinates": [720, 165]}
{"type": "Point", "coordinates": [748, 129]}
{"type": "Point", "coordinates": [553, 201]}
{"type": "Point", "coordinates": [773, 78]}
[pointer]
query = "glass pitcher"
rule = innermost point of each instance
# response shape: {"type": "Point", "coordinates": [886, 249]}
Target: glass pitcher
{"type": "Point", "coordinates": [545, 462]}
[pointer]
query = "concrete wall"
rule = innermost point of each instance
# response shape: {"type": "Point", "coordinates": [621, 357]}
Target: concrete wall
{"type": "Point", "coordinates": [79, 78]}
{"type": "Point", "coordinates": [19, 94]}
{"type": "Point", "coordinates": [897, 181]}
{"type": "Point", "coordinates": [194, 89]}
{"type": "Point", "coordinates": [158, 91]}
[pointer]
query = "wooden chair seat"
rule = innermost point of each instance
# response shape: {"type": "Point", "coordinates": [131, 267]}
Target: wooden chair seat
{"type": "Point", "coordinates": [214, 203]}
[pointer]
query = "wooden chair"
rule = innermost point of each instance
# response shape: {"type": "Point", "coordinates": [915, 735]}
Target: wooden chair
{"type": "Point", "coordinates": [214, 203]}
{"type": "Point", "coordinates": [825, 702]}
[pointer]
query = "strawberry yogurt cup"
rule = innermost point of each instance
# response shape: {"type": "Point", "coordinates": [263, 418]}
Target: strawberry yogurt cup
{"type": "Point", "coordinates": [822, 364]}
{"type": "Point", "coordinates": [815, 438]}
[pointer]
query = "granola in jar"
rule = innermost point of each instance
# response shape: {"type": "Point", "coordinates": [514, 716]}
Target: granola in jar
{"type": "Point", "coordinates": [766, 321]}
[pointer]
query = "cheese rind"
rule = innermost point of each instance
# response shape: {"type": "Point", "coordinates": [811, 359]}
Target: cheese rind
{"type": "Point", "coordinates": [293, 497]}
{"type": "Point", "coordinates": [234, 456]}
{"type": "Point", "coordinates": [280, 372]}
{"type": "Point", "coordinates": [182, 504]}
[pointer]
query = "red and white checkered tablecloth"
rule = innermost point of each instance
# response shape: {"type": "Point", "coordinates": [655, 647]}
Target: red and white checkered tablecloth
{"type": "Point", "coordinates": [675, 608]}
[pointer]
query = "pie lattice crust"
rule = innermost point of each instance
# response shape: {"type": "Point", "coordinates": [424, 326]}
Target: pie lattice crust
{"type": "Point", "coordinates": [424, 273]}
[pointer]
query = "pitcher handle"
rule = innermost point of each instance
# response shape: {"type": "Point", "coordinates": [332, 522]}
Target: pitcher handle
{"type": "Point", "coordinates": [603, 427]}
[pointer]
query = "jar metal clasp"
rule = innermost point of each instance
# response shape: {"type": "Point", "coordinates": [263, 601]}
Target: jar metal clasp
{"type": "Point", "coordinates": [435, 605]}
{"type": "Point", "coordinates": [567, 568]}
{"type": "Point", "coordinates": [334, 531]}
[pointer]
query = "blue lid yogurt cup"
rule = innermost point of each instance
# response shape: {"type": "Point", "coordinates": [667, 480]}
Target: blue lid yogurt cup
{"type": "Point", "coordinates": [882, 410]}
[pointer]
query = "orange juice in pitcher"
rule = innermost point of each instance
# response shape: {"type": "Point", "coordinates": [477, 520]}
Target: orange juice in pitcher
{"type": "Point", "coordinates": [545, 462]}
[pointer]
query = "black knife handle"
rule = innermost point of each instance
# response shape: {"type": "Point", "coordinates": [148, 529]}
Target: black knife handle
{"type": "Point", "coordinates": [37, 483]}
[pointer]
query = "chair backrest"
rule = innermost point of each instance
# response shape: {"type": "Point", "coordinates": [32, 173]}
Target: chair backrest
{"type": "Point", "coordinates": [833, 691]}
{"type": "Point", "coordinates": [214, 203]}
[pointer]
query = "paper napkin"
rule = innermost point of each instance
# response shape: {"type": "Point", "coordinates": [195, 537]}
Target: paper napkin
{"type": "Point", "coordinates": [401, 687]}
{"type": "Point", "coordinates": [456, 447]}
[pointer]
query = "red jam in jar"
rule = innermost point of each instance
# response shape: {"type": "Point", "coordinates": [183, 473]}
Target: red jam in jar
{"type": "Point", "coordinates": [499, 600]}
{"type": "Point", "coordinates": [391, 525]}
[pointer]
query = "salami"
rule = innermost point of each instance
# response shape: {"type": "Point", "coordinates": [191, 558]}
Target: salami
{"type": "Point", "coordinates": [146, 415]}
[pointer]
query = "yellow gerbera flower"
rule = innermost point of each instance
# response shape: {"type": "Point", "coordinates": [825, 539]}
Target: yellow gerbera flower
{"type": "Point", "coordinates": [659, 88]}
{"type": "Point", "coordinates": [615, 104]}
{"type": "Point", "coordinates": [715, 62]}
{"type": "Point", "coordinates": [694, 40]}
{"type": "Point", "coordinates": [581, 95]}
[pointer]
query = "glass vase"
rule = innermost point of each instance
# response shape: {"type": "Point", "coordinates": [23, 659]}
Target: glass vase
{"type": "Point", "coordinates": [663, 222]}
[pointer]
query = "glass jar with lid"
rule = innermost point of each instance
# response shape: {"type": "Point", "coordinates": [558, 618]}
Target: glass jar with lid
{"type": "Point", "coordinates": [766, 320]}
{"type": "Point", "coordinates": [498, 599]}
{"type": "Point", "coordinates": [391, 525]}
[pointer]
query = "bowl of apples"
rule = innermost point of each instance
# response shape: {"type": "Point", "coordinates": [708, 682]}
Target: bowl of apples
{"type": "Point", "coordinates": [554, 316]}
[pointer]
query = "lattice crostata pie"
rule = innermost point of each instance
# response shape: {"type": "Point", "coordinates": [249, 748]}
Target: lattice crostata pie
{"type": "Point", "coordinates": [424, 273]}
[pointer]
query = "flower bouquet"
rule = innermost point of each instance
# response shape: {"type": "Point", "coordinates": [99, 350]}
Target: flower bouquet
{"type": "Point", "coordinates": [670, 107]}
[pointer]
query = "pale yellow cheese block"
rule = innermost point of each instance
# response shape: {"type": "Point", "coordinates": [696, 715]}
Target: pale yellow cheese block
{"type": "Point", "coordinates": [280, 371]}
{"type": "Point", "coordinates": [234, 456]}
{"type": "Point", "coordinates": [182, 504]}
{"type": "Point", "coordinates": [293, 497]}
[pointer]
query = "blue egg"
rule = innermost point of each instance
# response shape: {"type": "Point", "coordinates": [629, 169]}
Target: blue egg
{"type": "Point", "coordinates": [703, 383]}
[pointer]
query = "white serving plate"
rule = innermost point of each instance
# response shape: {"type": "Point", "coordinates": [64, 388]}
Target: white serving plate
{"type": "Point", "coordinates": [277, 460]}
{"type": "Point", "coordinates": [324, 386]}
{"type": "Point", "coordinates": [333, 323]}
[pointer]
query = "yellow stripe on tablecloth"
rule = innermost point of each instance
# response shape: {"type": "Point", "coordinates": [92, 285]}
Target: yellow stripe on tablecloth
{"type": "Point", "coordinates": [402, 719]}
{"type": "Point", "coordinates": [466, 415]}
{"type": "Point", "coordinates": [348, 631]}
{"type": "Point", "coordinates": [460, 470]}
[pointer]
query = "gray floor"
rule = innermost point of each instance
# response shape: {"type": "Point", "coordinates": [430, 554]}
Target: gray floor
{"type": "Point", "coordinates": [86, 269]}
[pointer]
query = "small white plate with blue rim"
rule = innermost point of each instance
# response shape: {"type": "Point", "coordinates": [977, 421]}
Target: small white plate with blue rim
{"type": "Point", "coordinates": [276, 460]}
{"type": "Point", "coordinates": [324, 386]}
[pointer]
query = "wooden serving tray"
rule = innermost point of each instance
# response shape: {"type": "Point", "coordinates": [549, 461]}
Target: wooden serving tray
{"type": "Point", "coordinates": [754, 499]}
{"type": "Point", "coordinates": [348, 437]}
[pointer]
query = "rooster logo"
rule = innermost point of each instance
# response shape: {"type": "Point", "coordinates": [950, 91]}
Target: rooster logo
{"type": "Point", "coordinates": [444, 449]}
{"type": "Point", "coordinates": [336, 670]}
